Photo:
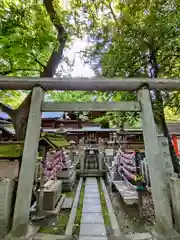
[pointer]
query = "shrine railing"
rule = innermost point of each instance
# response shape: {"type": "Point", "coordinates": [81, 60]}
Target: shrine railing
{"type": "Point", "coordinates": [145, 172]}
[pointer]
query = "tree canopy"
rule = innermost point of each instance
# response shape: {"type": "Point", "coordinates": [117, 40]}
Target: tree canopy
{"type": "Point", "coordinates": [128, 39]}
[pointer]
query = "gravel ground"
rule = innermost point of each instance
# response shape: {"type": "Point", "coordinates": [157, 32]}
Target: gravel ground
{"type": "Point", "coordinates": [148, 209]}
{"type": "Point", "coordinates": [127, 216]}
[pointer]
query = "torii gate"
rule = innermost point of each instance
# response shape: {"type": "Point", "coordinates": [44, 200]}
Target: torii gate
{"type": "Point", "coordinates": [164, 222]}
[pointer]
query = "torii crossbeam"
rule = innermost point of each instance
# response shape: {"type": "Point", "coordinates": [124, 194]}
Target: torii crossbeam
{"type": "Point", "coordinates": [88, 84]}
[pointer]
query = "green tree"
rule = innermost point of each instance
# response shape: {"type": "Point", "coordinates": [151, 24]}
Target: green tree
{"type": "Point", "coordinates": [32, 40]}
{"type": "Point", "coordinates": [135, 38]}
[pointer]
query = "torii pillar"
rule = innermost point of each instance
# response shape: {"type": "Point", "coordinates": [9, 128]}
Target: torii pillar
{"type": "Point", "coordinates": [26, 177]}
{"type": "Point", "coordinates": [164, 223]}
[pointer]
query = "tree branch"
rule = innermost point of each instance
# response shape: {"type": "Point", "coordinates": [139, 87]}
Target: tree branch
{"type": "Point", "coordinates": [36, 60]}
{"type": "Point", "coordinates": [56, 55]}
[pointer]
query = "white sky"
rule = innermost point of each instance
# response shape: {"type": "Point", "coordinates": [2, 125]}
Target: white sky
{"type": "Point", "coordinates": [79, 69]}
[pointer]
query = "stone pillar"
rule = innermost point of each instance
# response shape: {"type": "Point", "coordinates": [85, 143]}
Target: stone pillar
{"type": "Point", "coordinates": [101, 145]}
{"type": "Point", "coordinates": [175, 193]}
{"type": "Point", "coordinates": [101, 159]}
{"type": "Point", "coordinates": [26, 177]}
{"type": "Point", "coordinates": [164, 223]}
{"type": "Point", "coordinates": [81, 155]}
{"type": "Point", "coordinates": [167, 162]}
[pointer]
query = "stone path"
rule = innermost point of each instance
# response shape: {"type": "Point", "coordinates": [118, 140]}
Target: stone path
{"type": "Point", "coordinates": [92, 222]}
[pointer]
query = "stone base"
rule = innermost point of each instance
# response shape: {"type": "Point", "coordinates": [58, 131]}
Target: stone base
{"type": "Point", "coordinates": [109, 180]}
{"type": "Point", "coordinates": [6, 196]}
{"type": "Point", "coordinates": [171, 235]}
{"type": "Point", "coordinates": [139, 236]}
{"type": "Point", "coordinates": [31, 232]}
{"type": "Point", "coordinates": [68, 183]}
{"type": "Point", "coordinates": [41, 236]}
{"type": "Point", "coordinates": [66, 174]}
{"type": "Point", "coordinates": [52, 193]}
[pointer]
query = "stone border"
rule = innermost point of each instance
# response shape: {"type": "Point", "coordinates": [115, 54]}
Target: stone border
{"type": "Point", "coordinates": [55, 211]}
{"type": "Point", "coordinates": [114, 223]}
{"type": "Point", "coordinates": [140, 236]}
{"type": "Point", "coordinates": [72, 217]}
{"type": "Point", "coordinates": [31, 233]}
{"type": "Point", "coordinates": [42, 236]}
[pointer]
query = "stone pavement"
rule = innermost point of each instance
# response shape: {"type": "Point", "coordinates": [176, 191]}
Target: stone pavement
{"type": "Point", "coordinates": [92, 222]}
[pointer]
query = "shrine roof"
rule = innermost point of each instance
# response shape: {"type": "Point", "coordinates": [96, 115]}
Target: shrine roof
{"type": "Point", "coordinates": [44, 115]}
{"type": "Point", "coordinates": [54, 140]}
{"type": "Point", "coordinates": [14, 150]}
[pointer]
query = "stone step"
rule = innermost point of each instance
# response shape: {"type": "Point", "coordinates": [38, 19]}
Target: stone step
{"type": "Point", "coordinates": [92, 223]}
{"type": "Point", "coordinates": [91, 201]}
{"type": "Point", "coordinates": [67, 204]}
{"type": "Point", "coordinates": [87, 229]}
{"type": "Point", "coordinates": [92, 218]}
{"type": "Point", "coordinates": [92, 238]}
{"type": "Point", "coordinates": [87, 208]}
{"type": "Point", "coordinates": [91, 195]}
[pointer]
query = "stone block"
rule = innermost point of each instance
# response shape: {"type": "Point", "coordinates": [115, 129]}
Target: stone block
{"type": "Point", "coordinates": [92, 230]}
{"type": "Point", "coordinates": [92, 218]}
{"type": "Point", "coordinates": [6, 195]}
{"type": "Point", "coordinates": [87, 208]}
{"type": "Point", "coordinates": [175, 193]}
{"type": "Point", "coordinates": [139, 236]}
{"type": "Point", "coordinates": [92, 238]}
{"type": "Point", "coordinates": [68, 183]}
{"type": "Point", "coordinates": [94, 185]}
{"type": "Point", "coordinates": [66, 174]}
{"type": "Point", "coordinates": [91, 201]}
{"type": "Point", "coordinates": [91, 190]}
{"type": "Point", "coordinates": [52, 193]}
{"type": "Point", "coordinates": [67, 203]}
{"type": "Point", "coordinates": [91, 195]}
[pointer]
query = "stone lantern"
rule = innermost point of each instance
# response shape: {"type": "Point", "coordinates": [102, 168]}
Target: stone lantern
{"type": "Point", "coordinates": [62, 130]}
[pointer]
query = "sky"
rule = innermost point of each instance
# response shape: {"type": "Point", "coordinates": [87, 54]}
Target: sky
{"type": "Point", "coordinates": [79, 69]}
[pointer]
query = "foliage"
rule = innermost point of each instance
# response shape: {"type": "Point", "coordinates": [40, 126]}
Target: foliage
{"type": "Point", "coordinates": [131, 39]}
{"type": "Point", "coordinates": [171, 115]}
{"type": "Point", "coordinates": [29, 45]}
{"type": "Point", "coordinates": [124, 37]}
{"type": "Point", "coordinates": [27, 38]}
{"type": "Point", "coordinates": [12, 98]}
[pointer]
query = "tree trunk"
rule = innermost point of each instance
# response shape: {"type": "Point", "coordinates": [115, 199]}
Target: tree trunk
{"type": "Point", "coordinates": [159, 114]}
{"type": "Point", "coordinates": [57, 54]}
{"type": "Point", "coordinates": [161, 122]}
{"type": "Point", "coordinates": [19, 117]}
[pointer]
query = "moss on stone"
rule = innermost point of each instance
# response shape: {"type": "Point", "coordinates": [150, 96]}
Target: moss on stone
{"type": "Point", "coordinates": [11, 150]}
{"type": "Point", "coordinates": [58, 226]}
{"type": "Point", "coordinates": [76, 227]}
{"type": "Point", "coordinates": [54, 140]}
{"type": "Point", "coordinates": [105, 213]}
{"type": "Point", "coordinates": [70, 194]}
